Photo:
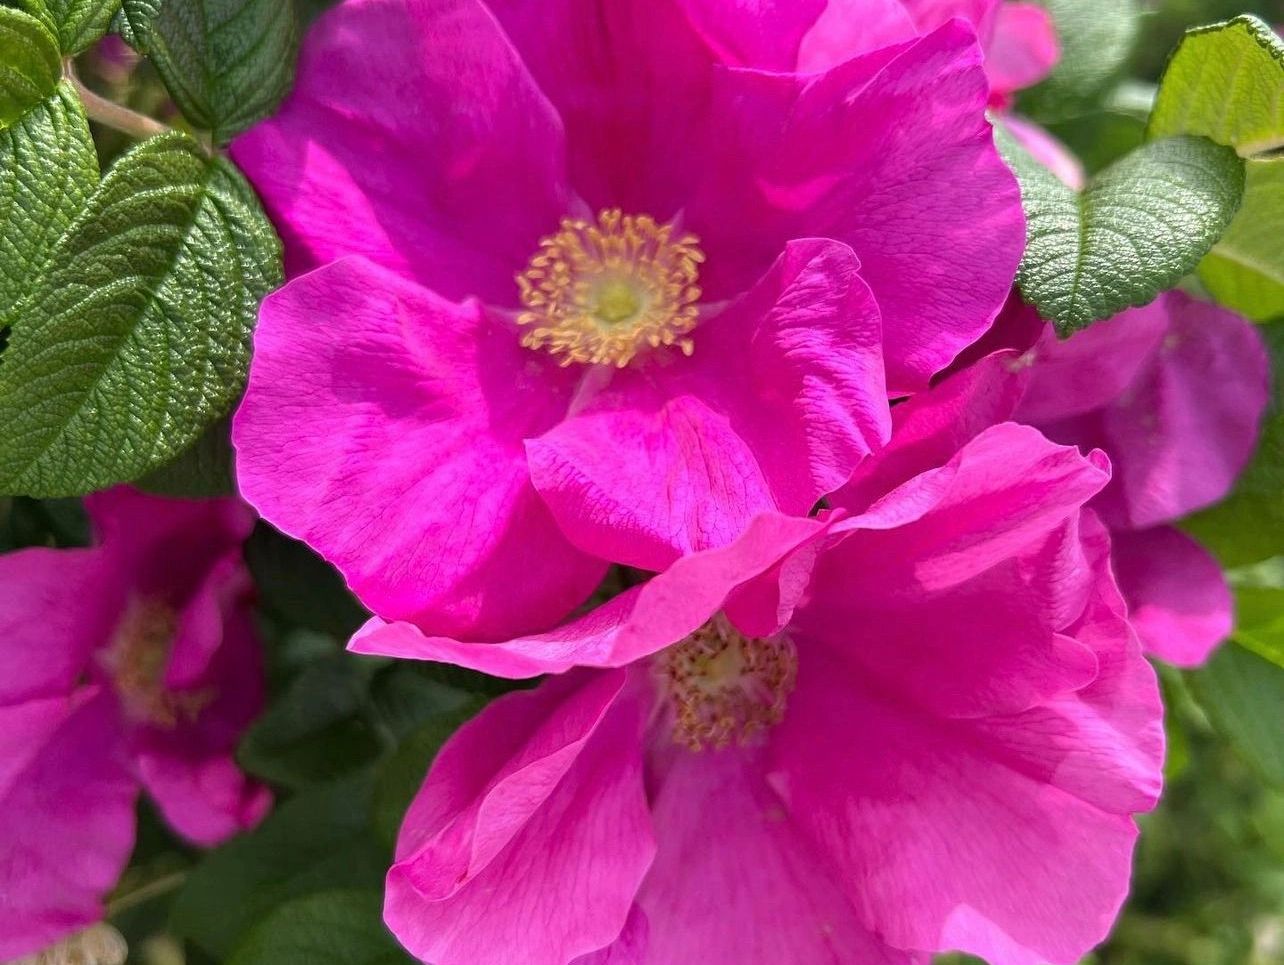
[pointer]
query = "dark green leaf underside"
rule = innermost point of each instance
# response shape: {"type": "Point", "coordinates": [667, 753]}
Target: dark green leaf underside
{"type": "Point", "coordinates": [331, 928]}
{"type": "Point", "coordinates": [227, 63]}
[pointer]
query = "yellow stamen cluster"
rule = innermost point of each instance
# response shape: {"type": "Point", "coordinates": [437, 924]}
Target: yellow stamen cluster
{"type": "Point", "coordinates": [137, 661]}
{"type": "Point", "coordinates": [724, 686]}
{"type": "Point", "coordinates": [600, 293]}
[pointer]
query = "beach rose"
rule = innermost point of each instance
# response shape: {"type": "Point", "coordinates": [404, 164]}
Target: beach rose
{"type": "Point", "coordinates": [926, 727]}
{"type": "Point", "coordinates": [579, 283]}
{"type": "Point", "coordinates": [130, 665]}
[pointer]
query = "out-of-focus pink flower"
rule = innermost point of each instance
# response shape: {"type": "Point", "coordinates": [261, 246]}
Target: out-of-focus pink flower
{"type": "Point", "coordinates": [131, 664]}
{"type": "Point", "coordinates": [1174, 392]}
{"type": "Point", "coordinates": [926, 726]}
{"type": "Point", "coordinates": [622, 277]}
{"type": "Point", "coordinates": [1019, 39]}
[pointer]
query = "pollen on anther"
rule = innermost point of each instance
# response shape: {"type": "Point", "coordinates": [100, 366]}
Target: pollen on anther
{"type": "Point", "coordinates": [601, 292]}
{"type": "Point", "coordinates": [137, 660]}
{"type": "Point", "coordinates": [724, 687]}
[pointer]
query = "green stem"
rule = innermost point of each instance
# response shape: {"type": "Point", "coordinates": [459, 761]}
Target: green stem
{"type": "Point", "coordinates": [109, 114]}
{"type": "Point", "coordinates": [144, 893]}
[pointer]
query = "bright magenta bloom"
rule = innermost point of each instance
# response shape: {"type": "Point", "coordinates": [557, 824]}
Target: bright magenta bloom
{"type": "Point", "coordinates": [925, 726]}
{"type": "Point", "coordinates": [625, 276]}
{"type": "Point", "coordinates": [130, 664]}
{"type": "Point", "coordinates": [1174, 392]}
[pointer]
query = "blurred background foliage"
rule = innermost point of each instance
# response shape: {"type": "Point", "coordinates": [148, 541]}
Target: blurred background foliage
{"type": "Point", "coordinates": [346, 740]}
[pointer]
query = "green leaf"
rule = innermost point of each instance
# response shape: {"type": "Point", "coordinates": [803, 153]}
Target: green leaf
{"type": "Point", "coordinates": [1140, 225]}
{"type": "Point", "coordinates": [34, 522]}
{"type": "Point", "coordinates": [318, 729]}
{"type": "Point", "coordinates": [48, 169]}
{"type": "Point", "coordinates": [202, 471]}
{"type": "Point", "coordinates": [315, 842]}
{"type": "Point", "coordinates": [227, 63]}
{"type": "Point", "coordinates": [331, 928]}
{"type": "Point", "coordinates": [401, 776]}
{"type": "Point", "coordinates": [1225, 82]}
{"type": "Point", "coordinates": [1243, 695]}
{"type": "Point", "coordinates": [81, 22]}
{"type": "Point", "coordinates": [1101, 138]}
{"type": "Point", "coordinates": [137, 337]}
{"type": "Point", "coordinates": [30, 63]}
{"type": "Point", "coordinates": [1096, 38]}
{"type": "Point", "coordinates": [406, 695]}
{"type": "Point", "coordinates": [1245, 270]}
{"type": "Point", "coordinates": [298, 587]}
{"type": "Point", "coordinates": [1259, 621]}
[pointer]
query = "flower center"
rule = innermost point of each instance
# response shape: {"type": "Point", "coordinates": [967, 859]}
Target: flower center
{"type": "Point", "coordinates": [724, 686]}
{"type": "Point", "coordinates": [600, 293]}
{"type": "Point", "coordinates": [137, 660]}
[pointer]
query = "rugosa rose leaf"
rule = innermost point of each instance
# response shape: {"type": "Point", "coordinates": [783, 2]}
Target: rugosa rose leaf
{"type": "Point", "coordinates": [81, 22]}
{"type": "Point", "coordinates": [1243, 693]}
{"type": "Point", "coordinates": [1097, 36]}
{"type": "Point", "coordinates": [329, 928]}
{"type": "Point", "coordinates": [1245, 269]}
{"type": "Point", "coordinates": [1137, 228]}
{"type": "Point", "coordinates": [135, 337]}
{"type": "Point", "coordinates": [48, 169]}
{"type": "Point", "coordinates": [317, 841]}
{"type": "Point", "coordinates": [30, 65]}
{"type": "Point", "coordinates": [1224, 82]}
{"type": "Point", "coordinates": [227, 63]}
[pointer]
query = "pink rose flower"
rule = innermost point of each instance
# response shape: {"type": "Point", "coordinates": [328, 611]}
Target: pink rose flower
{"type": "Point", "coordinates": [1174, 392]}
{"type": "Point", "coordinates": [132, 664]}
{"type": "Point", "coordinates": [926, 725]}
{"type": "Point", "coordinates": [603, 282]}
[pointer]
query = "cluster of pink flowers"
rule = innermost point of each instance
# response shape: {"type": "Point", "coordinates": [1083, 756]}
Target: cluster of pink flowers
{"type": "Point", "coordinates": [668, 348]}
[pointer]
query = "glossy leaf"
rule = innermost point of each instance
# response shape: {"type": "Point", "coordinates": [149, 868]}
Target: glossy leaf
{"type": "Point", "coordinates": [1243, 694]}
{"type": "Point", "coordinates": [137, 336]}
{"type": "Point", "coordinates": [48, 169]}
{"type": "Point", "coordinates": [30, 63]}
{"type": "Point", "coordinates": [315, 842]}
{"type": "Point", "coordinates": [332, 928]}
